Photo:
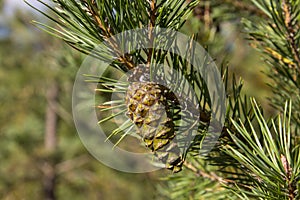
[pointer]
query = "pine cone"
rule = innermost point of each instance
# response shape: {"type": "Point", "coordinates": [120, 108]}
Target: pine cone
{"type": "Point", "coordinates": [147, 107]}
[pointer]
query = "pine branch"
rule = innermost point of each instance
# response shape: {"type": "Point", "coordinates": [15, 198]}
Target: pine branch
{"type": "Point", "coordinates": [108, 36]}
{"type": "Point", "coordinates": [292, 27]}
{"type": "Point", "coordinates": [267, 156]}
{"type": "Point", "coordinates": [288, 171]}
{"type": "Point", "coordinates": [212, 176]}
{"type": "Point", "coordinates": [152, 14]}
{"type": "Point", "coordinates": [278, 38]}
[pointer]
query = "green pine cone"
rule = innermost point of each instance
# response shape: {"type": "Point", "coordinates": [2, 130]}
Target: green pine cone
{"type": "Point", "coordinates": [147, 107]}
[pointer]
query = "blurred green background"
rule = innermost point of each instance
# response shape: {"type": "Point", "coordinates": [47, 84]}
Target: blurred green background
{"type": "Point", "coordinates": [39, 146]}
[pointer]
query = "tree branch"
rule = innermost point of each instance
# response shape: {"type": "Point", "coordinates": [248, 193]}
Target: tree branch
{"type": "Point", "coordinates": [108, 35]}
{"type": "Point", "coordinates": [152, 15]}
{"type": "Point", "coordinates": [212, 176]}
{"type": "Point", "coordinates": [286, 6]}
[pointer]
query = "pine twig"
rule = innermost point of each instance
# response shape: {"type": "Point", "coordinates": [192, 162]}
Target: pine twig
{"type": "Point", "coordinates": [286, 6]}
{"type": "Point", "coordinates": [108, 35]}
{"type": "Point", "coordinates": [211, 175]}
{"type": "Point", "coordinates": [288, 171]}
{"type": "Point", "coordinates": [152, 15]}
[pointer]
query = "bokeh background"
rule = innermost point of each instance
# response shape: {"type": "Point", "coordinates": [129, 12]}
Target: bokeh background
{"type": "Point", "coordinates": [40, 151]}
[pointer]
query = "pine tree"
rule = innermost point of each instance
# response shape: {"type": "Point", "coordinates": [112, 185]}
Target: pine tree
{"type": "Point", "coordinates": [255, 157]}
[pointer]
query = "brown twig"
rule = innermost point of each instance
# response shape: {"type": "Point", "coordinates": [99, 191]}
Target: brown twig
{"type": "Point", "coordinates": [288, 173]}
{"type": "Point", "coordinates": [152, 15]}
{"type": "Point", "coordinates": [212, 176]}
{"type": "Point", "coordinates": [291, 32]}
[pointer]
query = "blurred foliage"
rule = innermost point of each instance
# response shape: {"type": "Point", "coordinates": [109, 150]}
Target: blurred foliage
{"type": "Point", "coordinates": [218, 27]}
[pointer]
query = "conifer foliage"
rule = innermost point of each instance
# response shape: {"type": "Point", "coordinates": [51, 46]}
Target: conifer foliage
{"type": "Point", "coordinates": [255, 157]}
